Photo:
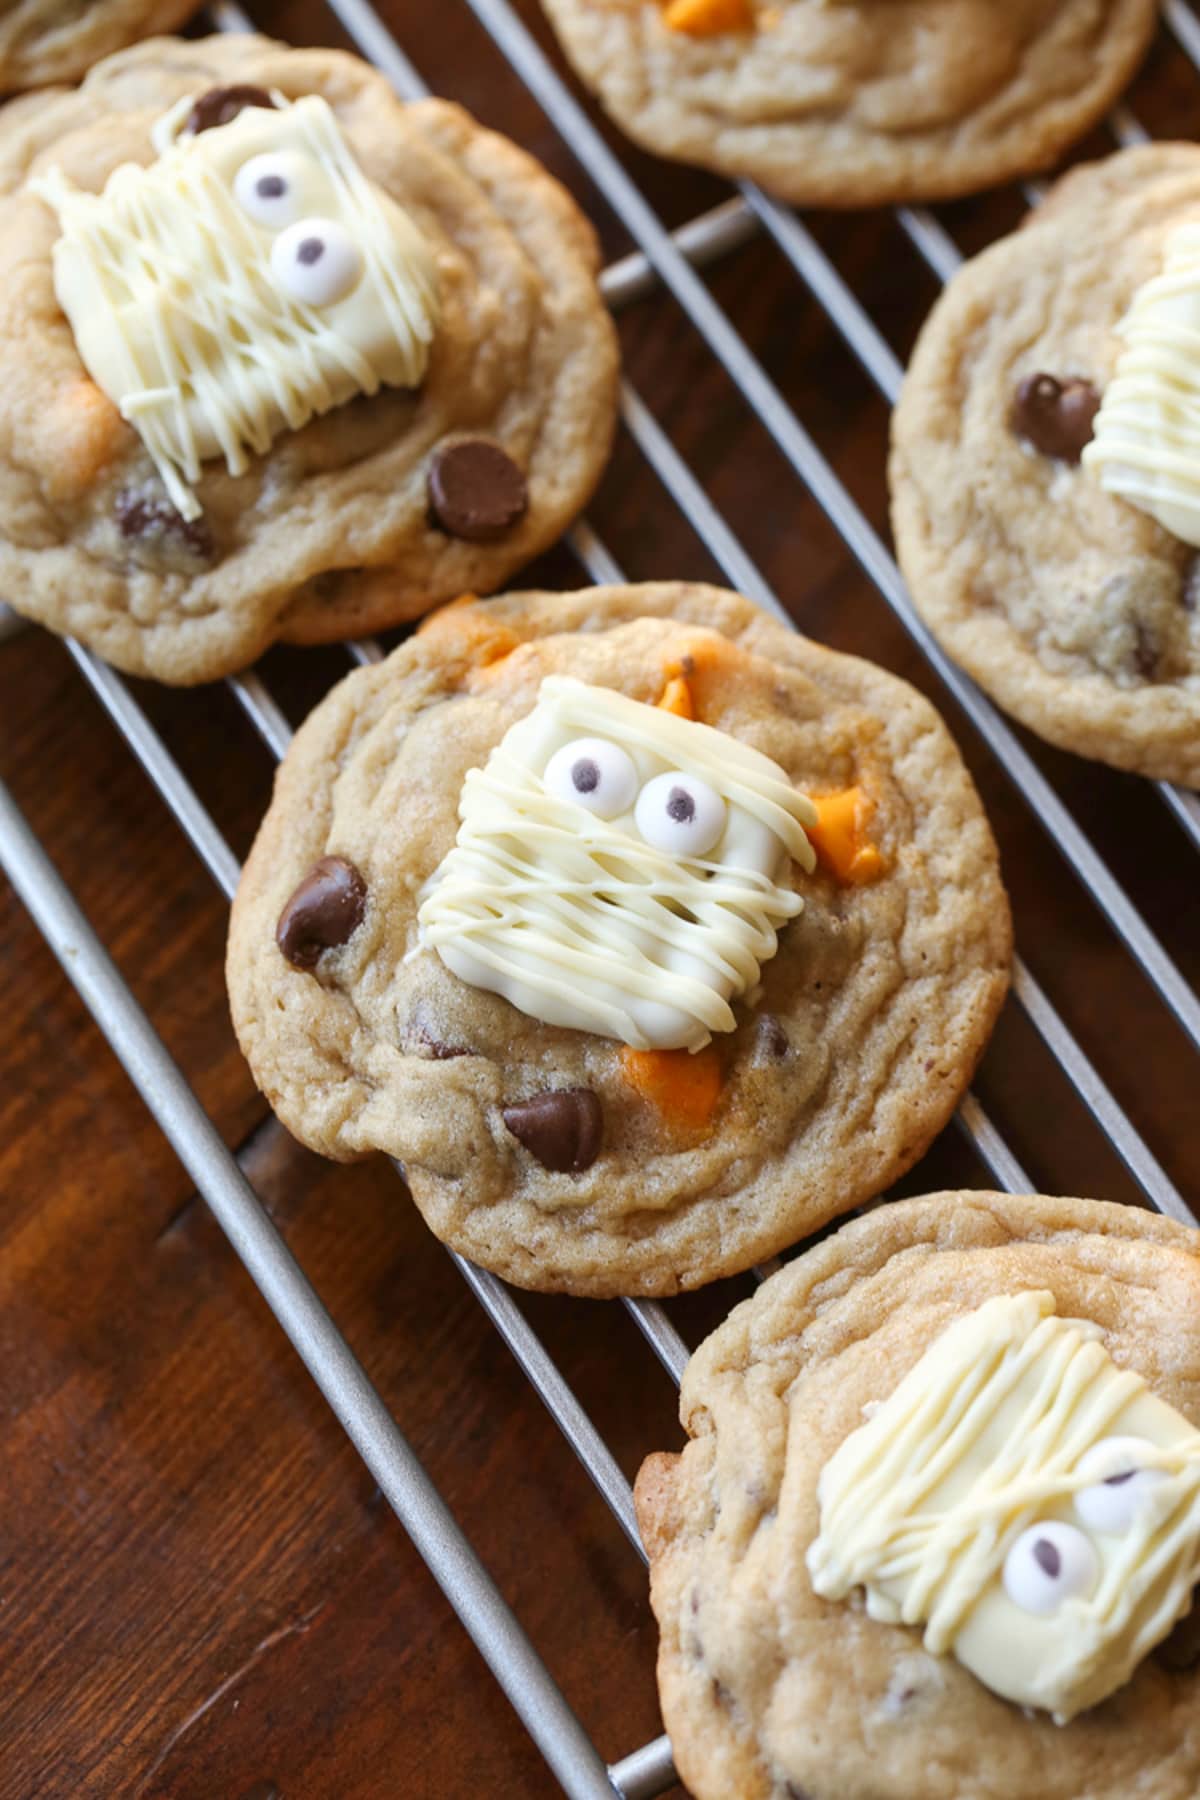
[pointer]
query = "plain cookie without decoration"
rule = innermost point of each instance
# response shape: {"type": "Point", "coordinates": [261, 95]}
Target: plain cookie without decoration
{"type": "Point", "coordinates": [856, 104]}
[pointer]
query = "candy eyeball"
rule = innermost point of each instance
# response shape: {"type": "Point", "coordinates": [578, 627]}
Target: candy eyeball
{"type": "Point", "coordinates": [595, 774]}
{"type": "Point", "coordinates": [680, 814]}
{"type": "Point", "coordinates": [1049, 1564]}
{"type": "Point", "coordinates": [269, 188]}
{"type": "Point", "coordinates": [1121, 1486]}
{"type": "Point", "coordinates": [316, 261]}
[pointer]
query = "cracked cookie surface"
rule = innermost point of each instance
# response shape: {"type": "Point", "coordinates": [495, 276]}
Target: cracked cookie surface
{"type": "Point", "coordinates": [872, 1013]}
{"type": "Point", "coordinates": [1073, 608]}
{"type": "Point", "coordinates": [854, 104]}
{"type": "Point", "coordinates": [769, 1693]}
{"type": "Point", "coordinates": [43, 41]}
{"type": "Point", "coordinates": [330, 533]}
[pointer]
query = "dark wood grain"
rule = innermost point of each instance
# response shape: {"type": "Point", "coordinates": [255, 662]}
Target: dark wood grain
{"type": "Point", "coordinates": [202, 1597]}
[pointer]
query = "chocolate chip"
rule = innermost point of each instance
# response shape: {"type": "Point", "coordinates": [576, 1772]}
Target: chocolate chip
{"type": "Point", "coordinates": [773, 1040]}
{"type": "Point", "coordinates": [222, 104]}
{"type": "Point", "coordinates": [325, 910]}
{"type": "Point", "coordinates": [144, 518]}
{"type": "Point", "coordinates": [476, 490]}
{"type": "Point", "coordinates": [562, 1129]}
{"type": "Point", "coordinates": [1047, 1558]}
{"type": "Point", "coordinates": [1055, 416]}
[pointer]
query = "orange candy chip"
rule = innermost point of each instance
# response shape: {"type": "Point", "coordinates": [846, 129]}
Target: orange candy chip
{"type": "Point", "coordinates": [707, 18]}
{"type": "Point", "coordinates": [87, 431]}
{"type": "Point", "coordinates": [684, 1085]}
{"type": "Point", "coordinates": [464, 633]}
{"type": "Point", "coordinates": [676, 698]}
{"type": "Point", "coordinates": [840, 838]}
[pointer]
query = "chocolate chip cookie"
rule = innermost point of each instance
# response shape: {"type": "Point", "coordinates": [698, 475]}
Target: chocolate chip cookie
{"type": "Point", "coordinates": [853, 104]}
{"type": "Point", "coordinates": [644, 933]}
{"type": "Point", "coordinates": [1037, 452]}
{"type": "Point", "coordinates": [43, 41]}
{"type": "Point", "coordinates": [287, 358]}
{"type": "Point", "coordinates": [816, 1390]}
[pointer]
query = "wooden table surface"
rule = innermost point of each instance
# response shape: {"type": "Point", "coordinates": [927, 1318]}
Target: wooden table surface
{"type": "Point", "coordinates": [202, 1595]}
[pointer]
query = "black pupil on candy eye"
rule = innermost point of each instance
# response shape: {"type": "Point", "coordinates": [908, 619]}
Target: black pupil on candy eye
{"type": "Point", "coordinates": [1047, 1558]}
{"type": "Point", "coordinates": [585, 775]}
{"type": "Point", "coordinates": [270, 187]}
{"type": "Point", "coordinates": [680, 806]}
{"type": "Point", "coordinates": [310, 251]}
{"type": "Point", "coordinates": [1116, 1480]}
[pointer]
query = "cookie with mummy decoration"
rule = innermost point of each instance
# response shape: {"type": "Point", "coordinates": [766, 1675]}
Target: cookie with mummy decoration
{"type": "Point", "coordinates": [643, 932]}
{"type": "Point", "coordinates": [289, 358]}
{"type": "Point", "coordinates": [936, 1525]}
{"type": "Point", "coordinates": [1045, 493]}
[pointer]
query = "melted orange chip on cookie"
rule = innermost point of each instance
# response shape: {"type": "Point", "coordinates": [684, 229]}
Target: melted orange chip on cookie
{"type": "Point", "coordinates": [684, 1085]}
{"type": "Point", "coordinates": [707, 18]}
{"type": "Point", "coordinates": [88, 432]}
{"type": "Point", "coordinates": [840, 836]}
{"type": "Point", "coordinates": [676, 698]}
{"type": "Point", "coordinates": [465, 635]}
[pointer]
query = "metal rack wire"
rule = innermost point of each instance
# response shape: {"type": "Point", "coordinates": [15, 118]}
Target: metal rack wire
{"type": "Point", "coordinates": [671, 260]}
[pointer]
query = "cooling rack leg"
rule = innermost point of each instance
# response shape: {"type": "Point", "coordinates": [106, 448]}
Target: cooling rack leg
{"type": "Point", "coordinates": [647, 1772]}
{"type": "Point", "coordinates": [375, 1435]}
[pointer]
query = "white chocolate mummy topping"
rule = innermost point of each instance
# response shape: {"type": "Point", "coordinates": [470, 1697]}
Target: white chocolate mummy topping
{"type": "Point", "coordinates": [968, 1502]}
{"type": "Point", "coordinates": [1146, 436]}
{"type": "Point", "coordinates": [618, 869]}
{"type": "Point", "coordinates": [250, 278]}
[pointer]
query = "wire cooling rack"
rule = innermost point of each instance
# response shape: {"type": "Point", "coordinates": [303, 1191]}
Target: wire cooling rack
{"type": "Point", "coordinates": [667, 261]}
